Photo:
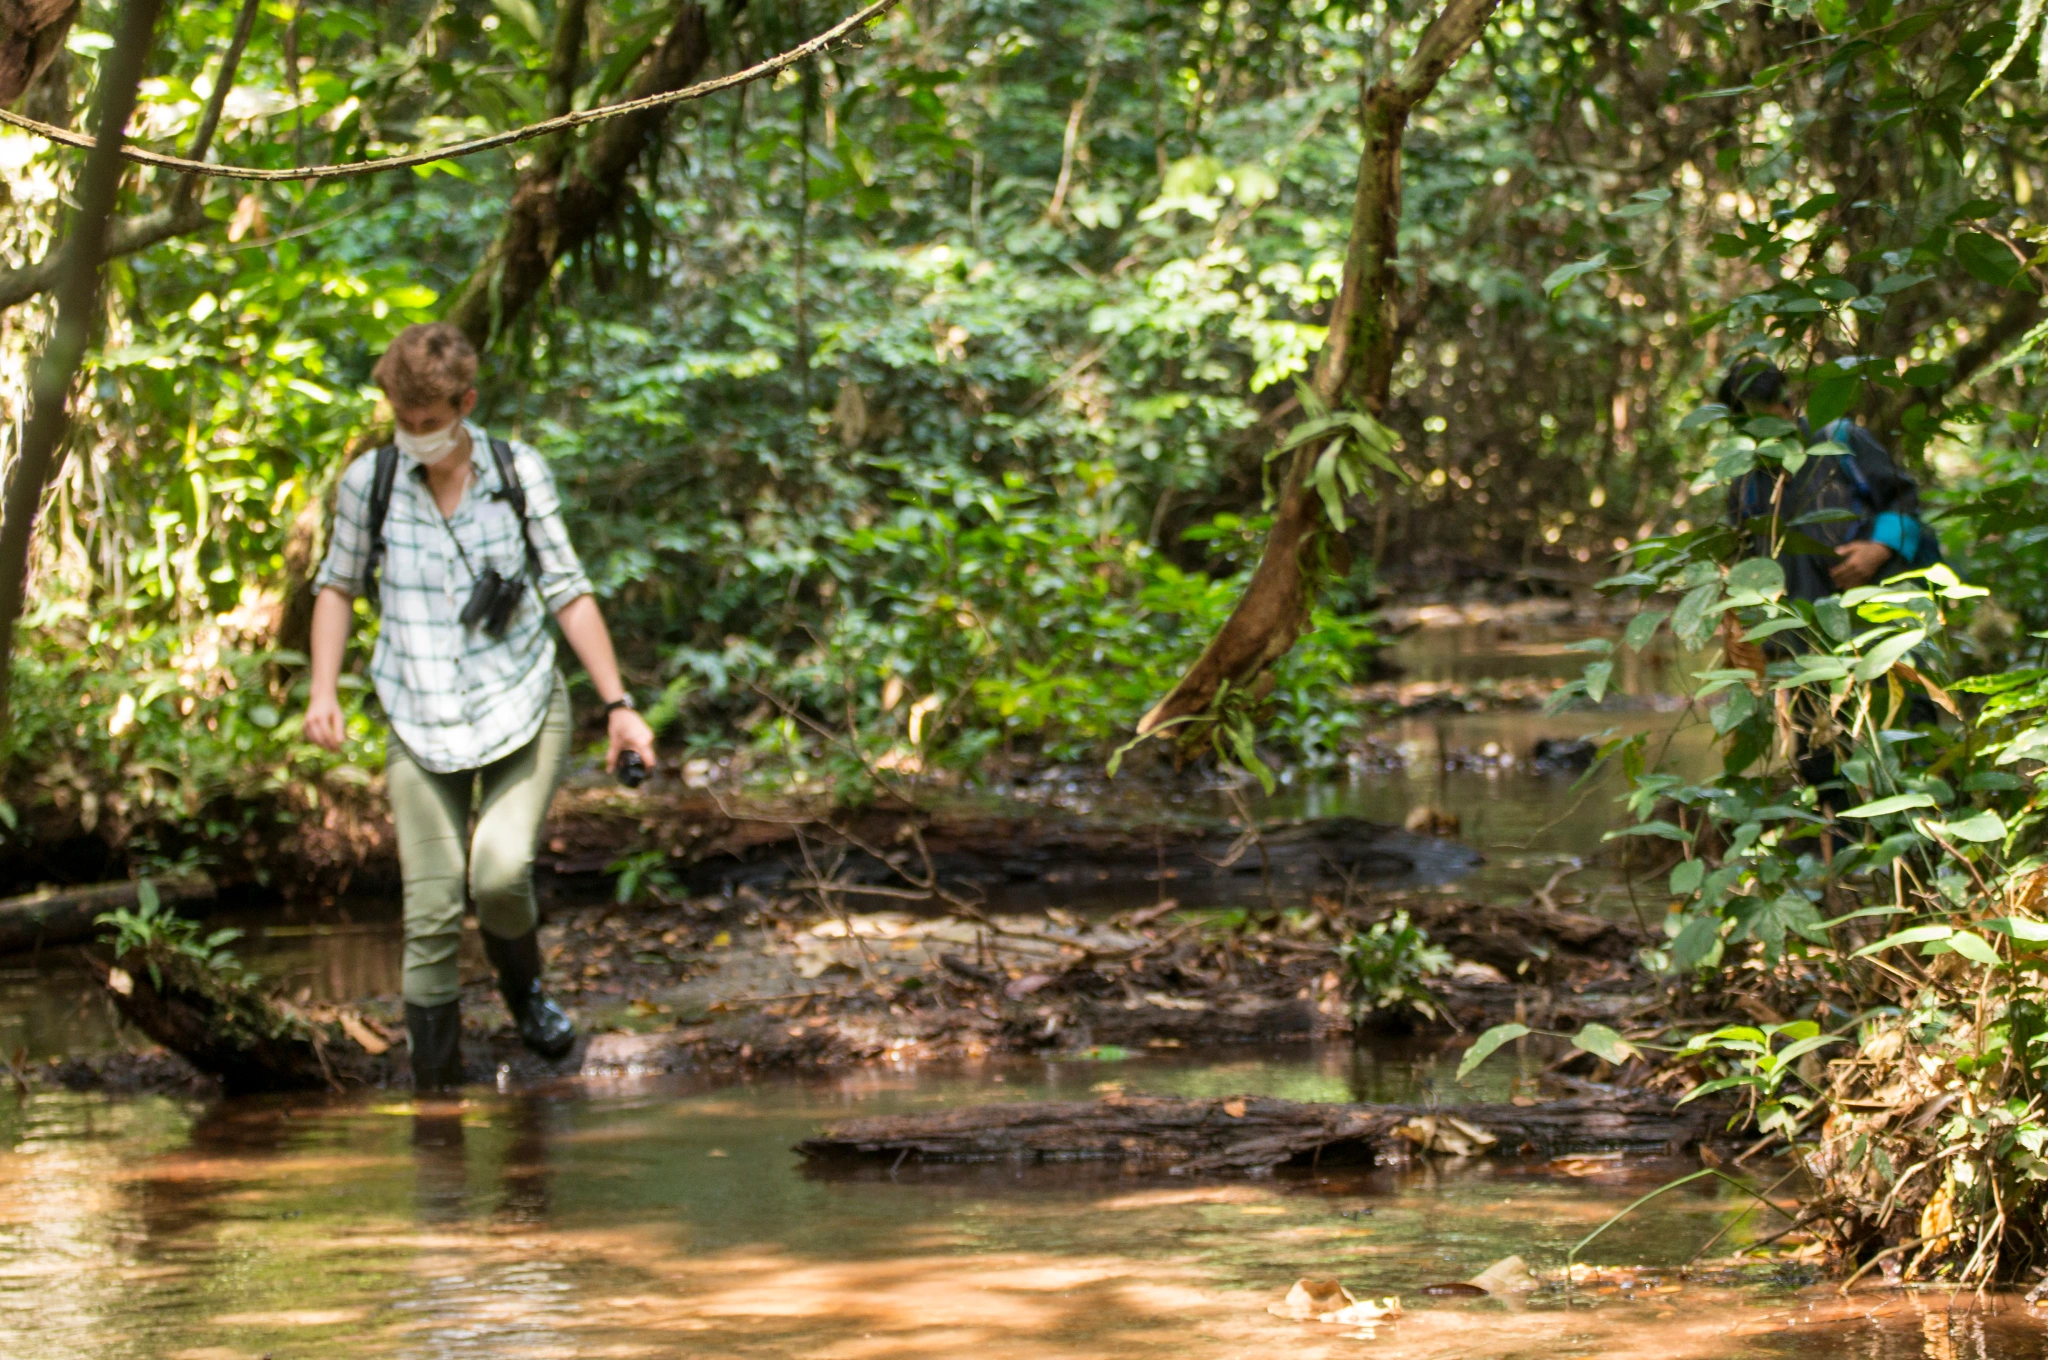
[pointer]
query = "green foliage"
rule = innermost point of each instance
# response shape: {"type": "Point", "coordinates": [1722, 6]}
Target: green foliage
{"type": "Point", "coordinates": [157, 934]}
{"type": "Point", "coordinates": [1386, 968]}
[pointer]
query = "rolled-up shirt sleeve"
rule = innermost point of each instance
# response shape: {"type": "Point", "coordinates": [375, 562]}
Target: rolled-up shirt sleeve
{"type": "Point", "coordinates": [562, 577]}
{"type": "Point", "coordinates": [348, 541]}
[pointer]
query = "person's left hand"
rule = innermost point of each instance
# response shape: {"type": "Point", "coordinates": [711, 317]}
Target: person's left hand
{"type": "Point", "coordinates": [1860, 564]}
{"type": "Point", "coordinates": [629, 732]}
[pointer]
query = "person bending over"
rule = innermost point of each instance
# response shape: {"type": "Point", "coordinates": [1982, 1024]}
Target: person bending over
{"type": "Point", "coordinates": [458, 539]}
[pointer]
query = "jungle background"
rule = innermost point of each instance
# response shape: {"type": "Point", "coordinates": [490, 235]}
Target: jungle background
{"type": "Point", "coordinates": [927, 390]}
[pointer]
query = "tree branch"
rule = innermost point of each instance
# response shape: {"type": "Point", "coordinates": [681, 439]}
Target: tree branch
{"type": "Point", "coordinates": [184, 214]}
{"type": "Point", "coordinates": [558, 207]}
{"type": "Point", "coordinates": [125, 237]}
{"type": "Point", "coordinates": [209, 120]}
{"type": "Point", "coordinates": [1354, 368]}
{"type": "Point", "coordinates": [78, 301]}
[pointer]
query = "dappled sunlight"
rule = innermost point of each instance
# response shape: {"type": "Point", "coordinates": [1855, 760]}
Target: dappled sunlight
{"type": "Point", "coordinates": [527, 1228]}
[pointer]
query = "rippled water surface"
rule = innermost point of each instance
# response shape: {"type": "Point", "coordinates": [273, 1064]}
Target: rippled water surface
{"type": "Point", "coordinates": [672, 1219]}
{"type": "Point", "coordinates": [665, 1221]}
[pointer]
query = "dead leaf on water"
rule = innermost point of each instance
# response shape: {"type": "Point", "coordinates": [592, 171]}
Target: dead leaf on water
{"type": "Point", "coordinates": [1365, 1312]}
{"type": "Point", "coordinates": [1312, 1298]}
{"type": "Point", "coordinates": [1509, 1275]}
{"type": "Point", "coordinates": [1447, 1134]}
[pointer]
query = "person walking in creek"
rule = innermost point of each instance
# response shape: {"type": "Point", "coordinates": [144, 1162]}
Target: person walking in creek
{"type": "Point", "coordinates": [457, 538]}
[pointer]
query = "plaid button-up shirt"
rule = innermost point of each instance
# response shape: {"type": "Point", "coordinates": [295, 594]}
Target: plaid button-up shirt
{"type": "Point", "coordinates": [458, 698]}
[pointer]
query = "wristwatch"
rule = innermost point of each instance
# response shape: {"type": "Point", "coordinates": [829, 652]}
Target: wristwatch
{"type": "Point", "coordinates": [624, 701]}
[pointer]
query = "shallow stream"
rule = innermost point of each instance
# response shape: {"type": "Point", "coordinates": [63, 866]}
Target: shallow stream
{"type": "Point", "coordinates": [665, 1218]}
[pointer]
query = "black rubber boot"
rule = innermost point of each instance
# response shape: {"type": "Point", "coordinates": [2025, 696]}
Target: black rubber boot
{"type": "Point", "coordinates": [435, 1036]}
{"type": "Point", "coordinates": [543, 1028]}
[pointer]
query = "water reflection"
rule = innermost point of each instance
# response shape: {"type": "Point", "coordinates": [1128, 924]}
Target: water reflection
{"type": "Point", "coordinates": [661, 1219]}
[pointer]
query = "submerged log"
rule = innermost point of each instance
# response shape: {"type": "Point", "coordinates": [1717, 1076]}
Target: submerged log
{"type": "Point", "coordinates": [57, 916]}
{"type": "Point", "coordinates": [1257, 1133]}
{"type": "Point", "coordinates": [222, 1024]}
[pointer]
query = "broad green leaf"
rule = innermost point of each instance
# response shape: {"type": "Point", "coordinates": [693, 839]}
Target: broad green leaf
{"type": "Point", "coordinates": [1642, 628]}
{"type": "Point", "coordinates": [1686, 876]}
{"type": "Point", "coordinates": [1719, 1084]}
{"type": "Point", "coordinates": [523, 13]}
{"type": "Point", "coordinates": [1771, 627]}
{"type": "Point", "coordinates": [1884, 807]}
{"type": "Point", "coordinates": [1487, 1044]}
{"type": "Point", "coordinates": [1792, 1053]}
{"type": "Point", "coordinates": [1885, 654]}
{"type": "Point", "coordinates": [1603, 1042]}
{"type": "Point", "coordinates": [1561, 279]}
{"type": "Point", "coordinates": [1660, 828]}
{"type": "Point", "coordinates": [1981, 829]}
{"type": "Point", "coordinates": [1760, 574]}
{"type": "Point", "coordinates": [1974, 948]}
{"type": "Point", "coordinates": [1690, 615]}
{"type": "Point", "coordinates": [1697, 944]}
{"type": "Point", "coordinates": [2019, 928]}
{"type": "Point", "coordinates": [1911, 935]}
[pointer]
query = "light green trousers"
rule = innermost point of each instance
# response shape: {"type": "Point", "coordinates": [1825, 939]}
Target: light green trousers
{"type": "Point", "coordinates": [445, 867]}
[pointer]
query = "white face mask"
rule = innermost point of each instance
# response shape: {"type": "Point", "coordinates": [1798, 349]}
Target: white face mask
{"type": "Point", "coordinates": [428, 449]}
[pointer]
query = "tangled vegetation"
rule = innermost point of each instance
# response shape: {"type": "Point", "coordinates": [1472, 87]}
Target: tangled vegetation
{"type": "Point", "coordinates": [919, 408]}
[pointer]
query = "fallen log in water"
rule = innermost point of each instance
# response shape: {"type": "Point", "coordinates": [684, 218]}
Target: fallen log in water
{"type": "Point", "coordinates": [220, 1021]}
{"type": "Point", "coordinates": [55, 916]}
{"type": "Point", "coordinates": [1257, 1133]}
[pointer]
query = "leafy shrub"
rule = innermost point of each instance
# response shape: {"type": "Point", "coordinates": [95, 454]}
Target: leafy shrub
{"type": "Point", "coordinates": [988, 615]}
{"type": "Point", "coordinates": [155, 933]}
{"type": "Point", "coordinates": [1386, 968]}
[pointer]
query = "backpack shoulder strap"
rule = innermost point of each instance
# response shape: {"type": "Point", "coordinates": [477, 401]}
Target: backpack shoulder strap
{"type": "Point", "coordinates": [1838, 432]}
{"type": "Point", "coordinates": [513, 494]}
{"type": "Point", "coordinates": [381, 483]}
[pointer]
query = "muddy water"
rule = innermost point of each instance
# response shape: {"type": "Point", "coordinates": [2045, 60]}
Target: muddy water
{"type": "Point", "coordinates": [663, 1219]}
{"type": "Point", "coordinates": [658, 1220]}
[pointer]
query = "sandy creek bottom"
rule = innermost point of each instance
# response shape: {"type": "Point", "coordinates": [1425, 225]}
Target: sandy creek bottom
{"type": "Point", "coordinates": [669, 1219]}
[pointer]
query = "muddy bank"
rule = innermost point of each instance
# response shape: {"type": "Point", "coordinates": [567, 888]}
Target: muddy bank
{"type": "Point", "coordinates": [754, 982]}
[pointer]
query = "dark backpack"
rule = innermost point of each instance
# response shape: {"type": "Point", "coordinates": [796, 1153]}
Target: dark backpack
{"type": "Point", "coordinates": [509, 491]}
{"type": "Point", "coordinates": [1928, 551]}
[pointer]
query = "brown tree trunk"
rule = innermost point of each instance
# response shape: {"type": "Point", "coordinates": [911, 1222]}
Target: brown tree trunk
{"type": "Point", "coordinates": [1353, 370]}
{"type": "Point", "coordinates": [78, 303]}
{"type": "Point", "coordinates": [54, 916]}
{"type": "Point", "coordinates": [31, 35]}
{"type": "Point", "coordinates": [571, 193]}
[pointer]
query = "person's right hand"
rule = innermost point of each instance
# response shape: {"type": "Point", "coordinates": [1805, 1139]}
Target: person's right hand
{"type": "Point", "coordinates": [324, 726]}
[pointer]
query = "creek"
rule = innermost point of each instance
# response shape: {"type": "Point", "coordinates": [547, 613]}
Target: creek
{"type": "Point", "coordinates": [666, 1216]}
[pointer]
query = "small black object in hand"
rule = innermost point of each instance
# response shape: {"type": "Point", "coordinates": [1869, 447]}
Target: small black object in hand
{"type": "Point", "coordinates": [632, 770]}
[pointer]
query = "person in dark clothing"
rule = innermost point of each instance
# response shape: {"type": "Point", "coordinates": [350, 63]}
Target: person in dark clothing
{"type": "Point", "coordinates": [1885, 536]}
{"type": "Point", "coordinates": [1881, 535]}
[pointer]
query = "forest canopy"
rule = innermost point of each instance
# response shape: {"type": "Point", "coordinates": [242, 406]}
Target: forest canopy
{"type": "Point", "coordinates": [928, 388]}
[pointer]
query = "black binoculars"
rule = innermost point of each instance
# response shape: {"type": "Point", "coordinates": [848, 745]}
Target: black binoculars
{"type": "Point", "coordinates": [491, 604]}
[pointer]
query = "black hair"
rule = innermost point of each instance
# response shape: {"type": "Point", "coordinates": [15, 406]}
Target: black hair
{"type": "Point", "coordinates": [1751, 380]}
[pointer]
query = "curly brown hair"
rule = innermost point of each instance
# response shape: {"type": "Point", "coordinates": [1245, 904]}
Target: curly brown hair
{"type": "Point", "coordinates": [426, 363]}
